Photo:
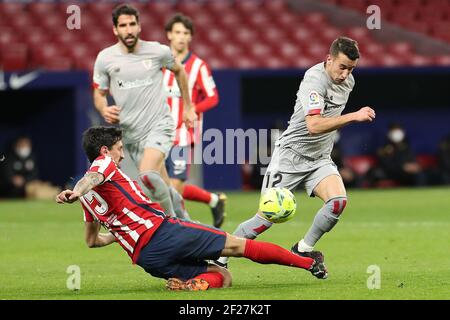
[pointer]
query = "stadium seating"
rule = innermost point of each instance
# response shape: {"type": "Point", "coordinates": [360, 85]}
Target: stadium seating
{"type": "Point", "coordinates": [430, 17]}
{"type": "Point", "coordinates": [361, 164]}
{"type": "Point", "coordinates": [236, 34]}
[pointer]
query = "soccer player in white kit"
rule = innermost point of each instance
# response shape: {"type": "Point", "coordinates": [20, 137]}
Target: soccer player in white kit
{"type": "Point", "coordinates": [131, 71]}
{"type": "Point", "coordinates": [302, 153]}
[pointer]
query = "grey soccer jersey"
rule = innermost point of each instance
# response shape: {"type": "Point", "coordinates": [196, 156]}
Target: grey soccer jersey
{"type": "Point", "coordinates": [135, 82]}
{"type": "Point", "coordinates": [317, 95]}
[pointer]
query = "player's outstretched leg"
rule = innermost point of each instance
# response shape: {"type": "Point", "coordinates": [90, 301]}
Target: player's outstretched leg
{"type": "Point", "coordinates": [265, 253]}
{"type": "Point", "coordinates": [269, 253]}
{"type": "Point", "coordinates": [248, 229]}
{"type": "Point", "coordinates": [257, 251]}
{"type": "Point", "coordinates": [216, 201]}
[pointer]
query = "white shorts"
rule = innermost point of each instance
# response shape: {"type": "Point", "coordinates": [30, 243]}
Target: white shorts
{"type": "Point", "coordinates": [288, 169]}
{"type": "Point", "coordinates": [161, 137]}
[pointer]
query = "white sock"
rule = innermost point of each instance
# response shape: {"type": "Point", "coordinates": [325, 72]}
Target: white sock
{"type": "Point", "coordinates": [214, 200]}
{"type": "Point", "coordinates": [303, 247]}
{"type": "Point", "coordinates": [223, 260]}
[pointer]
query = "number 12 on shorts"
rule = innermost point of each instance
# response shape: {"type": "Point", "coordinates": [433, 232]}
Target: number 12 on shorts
{"type": "Point", "coordinates": [276, 179]}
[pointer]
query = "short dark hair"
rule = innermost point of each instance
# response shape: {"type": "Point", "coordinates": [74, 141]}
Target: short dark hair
{"type": "Point", "coordinates": [180, 18]}
{"type": "Point", "coordinates": [96, 137]}
{"type": "Point", "coordinates": [347, 46]}
{"type": "Point", "coordinates": [124, 9]}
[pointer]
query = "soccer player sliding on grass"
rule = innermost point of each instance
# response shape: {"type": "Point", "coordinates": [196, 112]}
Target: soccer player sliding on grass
{"type": "Point", "coordinates": [165, 247]}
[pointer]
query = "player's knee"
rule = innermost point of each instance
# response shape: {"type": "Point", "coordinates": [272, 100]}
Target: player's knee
{"type": "Point", "coordinates": [336, 205]}
{"type": "Point", "coordinates": [227, 278]}
{"type": "Point", "coordinates": [153, 181]}
{"type": "Point", "coordinates": [234, 246]}
{"type": "Point", "coordinates": [226, 275]}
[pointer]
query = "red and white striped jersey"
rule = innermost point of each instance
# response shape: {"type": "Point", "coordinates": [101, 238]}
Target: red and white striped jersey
{"type": "Point", "coordinates": [203, 93]}
{"type": "Point", "coordinates": [121, 206]}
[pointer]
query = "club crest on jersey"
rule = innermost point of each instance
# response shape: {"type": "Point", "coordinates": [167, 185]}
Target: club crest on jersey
{"type": "Point", "coordinates": [314, 100]}
{"type": "Point", "coordinates": [147, 64]}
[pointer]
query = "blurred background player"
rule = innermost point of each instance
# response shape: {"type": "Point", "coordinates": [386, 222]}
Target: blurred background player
{"type": "Point", "coordinates": [204, 95]}
{"type": "Point", "coordinates": [110, 199]}
{"type": "Point", "coordinates": [131, 71]}
{"type": "Point", "coordinates": [302, 153]}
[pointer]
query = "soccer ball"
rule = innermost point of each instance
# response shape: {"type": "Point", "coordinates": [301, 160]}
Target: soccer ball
{"type": "Point", "coordinates": [277, 205]}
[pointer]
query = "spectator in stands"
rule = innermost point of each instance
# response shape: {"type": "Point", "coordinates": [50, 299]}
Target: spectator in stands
{"type": "Point", "coordinates": [349, 177]}
{"type": "Point", "coordinates": [444, 160]}
{"type": "Point", "coordinates": [397, 161]}
{"type": "Point", "coordinates": [18, 168]}
{"type": "Point", "coordinates": [19, 173]}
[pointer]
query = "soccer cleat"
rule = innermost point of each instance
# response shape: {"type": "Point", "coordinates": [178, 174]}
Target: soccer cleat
{"type": "Point", "coordinates": [218, 211]}
{"type": "Point", "coordinates": [175, 284]}
{"type": "Point", "coordinates": [318, 268]}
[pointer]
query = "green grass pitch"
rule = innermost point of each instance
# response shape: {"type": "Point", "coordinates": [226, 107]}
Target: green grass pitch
{"type": "Point", "coordinates": [405, 232]}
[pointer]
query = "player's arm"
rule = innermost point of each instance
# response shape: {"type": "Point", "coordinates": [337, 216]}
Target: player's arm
{"type": "Point", "coordinates": [208, 86]}
{"type": "Point", "coordinates": [318, 124]}
{"type": "Point", "coordinates": [83, 186]}
{"type": "Point", "coordinates": [93, 237]}
{"type": "Point", "coordinates": [101, 82]}
{"type": "Point", "coordinates": [109, 113]}
{"type": "Point", "coordinates": [189, 115]}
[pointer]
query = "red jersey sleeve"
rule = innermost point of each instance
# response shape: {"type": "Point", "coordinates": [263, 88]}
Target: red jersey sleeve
{"type": "Point", "coordinates": [104, 165]}
{"type": "Point", "coordinates": [207, 85]}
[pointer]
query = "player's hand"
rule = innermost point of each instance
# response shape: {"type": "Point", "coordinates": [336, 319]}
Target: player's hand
{"type": "Point", "coordinates": [189, 117]}
{"type": "Point", "coordinates": [365, 114]}
{"type": "Point", "coordinates": [67, 196]}
{"type": "Point", "coordinates": [111, 114]}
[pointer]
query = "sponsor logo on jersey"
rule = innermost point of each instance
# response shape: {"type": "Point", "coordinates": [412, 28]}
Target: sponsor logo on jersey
{"type": "Point", "coordinates": [329, 106]}
{"type": "Point", "coordinates": [135, 83]}
{"type": "Point", "coordinates": [147, 64]}
{"type": "Point", "coordinates": [314, 100]}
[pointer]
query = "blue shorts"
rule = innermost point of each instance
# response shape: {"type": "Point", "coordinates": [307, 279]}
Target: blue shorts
{"type": "Point", "coordinates": [179, 248]}
{"type": "Point", "coordinates": [178, 161]}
